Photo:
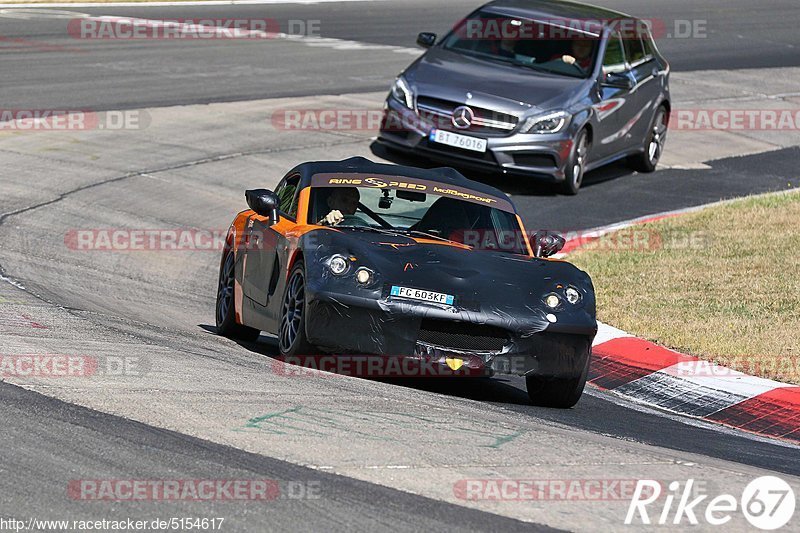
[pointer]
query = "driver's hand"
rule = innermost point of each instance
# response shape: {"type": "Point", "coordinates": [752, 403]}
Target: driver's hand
{"type": "Point", "coordinates": [333, 218]}
{"type": "Point", "coordinates": [568, 59]}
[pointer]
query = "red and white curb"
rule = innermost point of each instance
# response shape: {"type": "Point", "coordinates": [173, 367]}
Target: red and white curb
{"type": "Point", "coordinates": [644, 372]}
{"type": "Point", "coordinates": [649, 374]}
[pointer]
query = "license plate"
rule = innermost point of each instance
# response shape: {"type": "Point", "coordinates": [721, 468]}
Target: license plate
{"type": "Point", "coordinates": [457, 140]}
{"type": "Point", "coordinates": [422, 295]}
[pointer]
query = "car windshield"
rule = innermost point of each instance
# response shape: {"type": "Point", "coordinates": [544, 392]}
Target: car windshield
{"type": "Point", "coordinates": [445, 217]}
{"type": "Point", "coordinates": [556, 47]}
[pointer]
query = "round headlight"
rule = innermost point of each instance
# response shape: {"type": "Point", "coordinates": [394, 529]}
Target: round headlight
{"type": "Point", "coordinates": [552, 301]}
{"type": "Point", "coordinates": [338, 264]}
{"type": "Point", "coordinates": [573, 296]}
{"type": "Point", "coordinates": [363, 275]}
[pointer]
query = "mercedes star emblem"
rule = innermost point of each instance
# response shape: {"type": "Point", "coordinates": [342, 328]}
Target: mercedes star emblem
{"type": "Point", "coordinates": [463, 117]}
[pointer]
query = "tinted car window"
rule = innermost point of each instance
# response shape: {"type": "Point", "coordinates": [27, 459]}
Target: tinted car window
{"type": "Point", "coordinates": [400, 212]}
{"type": "Point", "coordinates": [647, 41]}
{"type": "Point", "coordinates": [425, 214]}
{"type": "Point", "coordinates": [614, 58]}
{"type": "Point", "coordinates": [286, 193]}
{"type": "Point", "coordinates": [537, 45]}
{"type": "Point", "coordinates": [632, 40]}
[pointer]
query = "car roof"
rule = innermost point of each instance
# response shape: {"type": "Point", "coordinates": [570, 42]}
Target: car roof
{"type": "Point", "coordinates": [362, 165]}
{"type": "Point", "coordinates": [560, 9]}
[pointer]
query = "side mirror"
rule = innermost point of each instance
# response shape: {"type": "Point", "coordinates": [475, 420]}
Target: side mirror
{"type": "Point", "coordinates": [426, 39]}
{"type": "Point", "coordinates": [546, 243]}
{"type": "Point", "coordinates": [619, 80]}
{"type": "Point", "coordinates": [264, 202]}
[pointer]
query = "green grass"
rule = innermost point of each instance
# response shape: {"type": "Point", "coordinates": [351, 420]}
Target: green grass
{"type": "Point", "coordinates": [722, 284]}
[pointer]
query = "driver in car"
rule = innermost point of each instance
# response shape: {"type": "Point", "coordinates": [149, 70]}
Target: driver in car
{"type": "Point", "coordinates": [581, 54]}
{"type": "Point", "coordinates": [343, 201]}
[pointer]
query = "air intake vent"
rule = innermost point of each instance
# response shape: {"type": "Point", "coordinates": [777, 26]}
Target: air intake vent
{"type": "Point", "coordinates": [462, 336]}
{"type": "Point", "coordinates": [535, 160]}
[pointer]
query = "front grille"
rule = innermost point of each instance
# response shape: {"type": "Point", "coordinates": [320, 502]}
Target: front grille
{"type": "Point", "coordinates": [462, 336]}
{"type": "Point", "coordinates": [486, 122]}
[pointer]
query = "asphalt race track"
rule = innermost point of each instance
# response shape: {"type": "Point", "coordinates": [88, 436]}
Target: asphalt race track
{"type": "Point", "coordinates": [120, 75]}
{"type": "Point", "coordinates": [375, 454]}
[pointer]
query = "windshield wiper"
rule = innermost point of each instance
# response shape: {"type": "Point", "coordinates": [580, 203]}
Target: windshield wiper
{"type": "Point", "coordinates": [540, 68]}
{"type": "Point", "coordinates": [532, 66]}
{"type": "Point", "coordinates": [384, 231]}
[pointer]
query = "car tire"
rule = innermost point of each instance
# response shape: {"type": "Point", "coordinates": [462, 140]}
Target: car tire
{"type": "Point", "coordinates": [576, 166]}
{"type": "Point", "coordinates": [647, 160]}
{"type": "Point", "coordinates": [292, 339]}
{"type": "Point", "coordinates": [226, 302]}
{"type": "Point", "coordinates": [560, 393]}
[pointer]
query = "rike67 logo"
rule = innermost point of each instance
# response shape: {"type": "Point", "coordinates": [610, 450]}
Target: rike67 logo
{"type": "Point", "coordinates": [767, 503]}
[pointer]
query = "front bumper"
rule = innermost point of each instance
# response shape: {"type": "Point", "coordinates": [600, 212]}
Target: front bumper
{"type": "Point", "coordinates": [541, 156]}
{"type": "Point", "coordinates": [349, 324]}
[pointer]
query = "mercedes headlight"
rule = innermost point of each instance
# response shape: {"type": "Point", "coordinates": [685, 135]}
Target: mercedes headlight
{"type": "Point", "coordinates": [549, 123]}
{"type": "Point", "coordinates": [403, 93]}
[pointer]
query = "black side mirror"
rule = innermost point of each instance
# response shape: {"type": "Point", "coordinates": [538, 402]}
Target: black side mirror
{"type": "Point", "coordinates": [426, 39]}
{"type": "Point", "coordinates": [619, 80]}
{"type": "Point", "coordinates": [547, 243]}
{"type": "Point", "coordinates": [264, 202]}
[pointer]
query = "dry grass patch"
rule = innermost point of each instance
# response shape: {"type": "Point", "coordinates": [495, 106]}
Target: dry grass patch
{"type": "Point", "coordinates": [722, 284]}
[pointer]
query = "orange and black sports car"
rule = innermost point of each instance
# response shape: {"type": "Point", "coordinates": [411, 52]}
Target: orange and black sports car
{"type": "Point", "coordinates": [355, 257]}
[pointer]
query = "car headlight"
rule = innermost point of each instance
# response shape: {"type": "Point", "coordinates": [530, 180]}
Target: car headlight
{"type": "Point", "coordinates": [365, 276]}
{"type": "Point", "coordinates": [338, 264]}
{"type": "Point", "coordinates": [549, 123]}
{"type": "Point", "coordinates": [573, 295]}
{"type": "Point", "coordinates": [403, 93]}
{"type": "Point", "coordinates": [552, 301]}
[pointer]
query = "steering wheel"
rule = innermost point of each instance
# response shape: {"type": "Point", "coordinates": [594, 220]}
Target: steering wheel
{"type": "Point", "coordinates": [576, 66]}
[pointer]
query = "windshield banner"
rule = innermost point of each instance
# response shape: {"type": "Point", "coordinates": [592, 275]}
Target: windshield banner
{"type": "Point", "coordinates": [370, 181]}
